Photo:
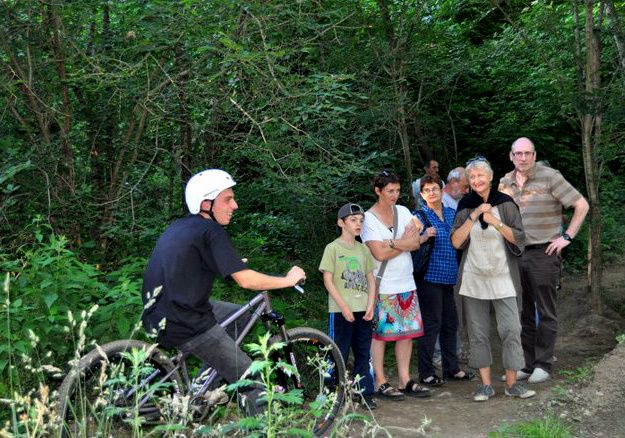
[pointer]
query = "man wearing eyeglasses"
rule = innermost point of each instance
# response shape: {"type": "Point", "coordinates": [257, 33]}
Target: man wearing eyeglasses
{"type": "Point", "coordinates": [540, 193]}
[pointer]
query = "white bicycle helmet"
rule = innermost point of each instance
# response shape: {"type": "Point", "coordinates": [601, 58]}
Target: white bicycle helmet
{"type": "Point", "coordinates": [207, 184]}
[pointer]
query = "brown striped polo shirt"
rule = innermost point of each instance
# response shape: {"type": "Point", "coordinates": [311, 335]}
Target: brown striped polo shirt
{"type": "Point", "coordinates": [540, 201]}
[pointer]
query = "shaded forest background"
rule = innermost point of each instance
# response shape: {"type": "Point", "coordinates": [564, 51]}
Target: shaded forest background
{"type": "Point", "coordinates": [109, 106]}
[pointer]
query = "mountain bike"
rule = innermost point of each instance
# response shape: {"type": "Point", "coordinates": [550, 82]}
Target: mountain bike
{"type": "Point", "coordinates": [129, 383]}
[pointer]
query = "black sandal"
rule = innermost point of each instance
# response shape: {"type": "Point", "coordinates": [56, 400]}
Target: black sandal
{"type": "Point", "coordinates": [387, 391]}
{"type": "Point", "coordinates": [466, 375]}
{"type": "Point", "coordinates": [413, 389]}
{"type": "Point", "coordinates": [432, 380]}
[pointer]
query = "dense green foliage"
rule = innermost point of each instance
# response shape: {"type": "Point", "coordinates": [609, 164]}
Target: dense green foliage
{"type": "Point", "coordinates": [108, 107]}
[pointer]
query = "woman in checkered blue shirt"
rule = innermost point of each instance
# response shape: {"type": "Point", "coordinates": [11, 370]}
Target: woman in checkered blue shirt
{"type": "Point", "coordinates": [436, 288]}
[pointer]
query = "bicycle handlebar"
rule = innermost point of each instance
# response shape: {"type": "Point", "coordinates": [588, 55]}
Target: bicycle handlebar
{"type": "Point", "coordinates": [298, 287]}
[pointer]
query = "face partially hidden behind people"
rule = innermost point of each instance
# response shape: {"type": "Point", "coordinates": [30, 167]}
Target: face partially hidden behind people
{"type": "Point", "coordinates": [523, 155]}
{"type": "Point", "coordinates": [389, 194]}
{"type": "Point", "coordinates": [224, 207]}
{"type": "Point", "coordinates": [432, 169]}
{"type": "Point", "coordinates": [457, 188]}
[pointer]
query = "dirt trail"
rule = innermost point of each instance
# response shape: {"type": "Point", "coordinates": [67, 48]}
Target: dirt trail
{"type": "Point", "coordinates": [596, 407]}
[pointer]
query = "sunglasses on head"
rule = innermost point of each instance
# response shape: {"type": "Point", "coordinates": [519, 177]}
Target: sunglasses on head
{"type": "Point", "coordinates": [476, 159]}
{"type": "Point", "coordinates": [385, 173]}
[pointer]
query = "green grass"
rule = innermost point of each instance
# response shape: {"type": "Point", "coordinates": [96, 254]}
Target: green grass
{"type": "Point", "coordinates": [560, 394]}
{"type": "Point", "coordinates": [548, 427]}
{"type": "Point", "coordinates": [578, 375]}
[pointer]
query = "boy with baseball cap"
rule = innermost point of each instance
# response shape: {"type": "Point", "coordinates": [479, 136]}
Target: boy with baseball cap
{"type": "Point", "coordinates": [347, 266]}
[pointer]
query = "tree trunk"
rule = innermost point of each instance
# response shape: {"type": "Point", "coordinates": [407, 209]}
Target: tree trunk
{"type": "Point", "coordinates": [185, 122]}
{"type": "Point", "coordinates": [58, 49]}
{"type": "Point", "coordinates": [396, 71]}
{"type": "Point", "coordinates": [401, 94]}
{"type": "Point", "coordinates": [591, 138]}
{"type": "Point", "coordinates": [618, 31]}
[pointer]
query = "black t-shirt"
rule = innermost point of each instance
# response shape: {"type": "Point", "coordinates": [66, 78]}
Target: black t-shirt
{"type": "Point", "coordinates": [185, 261]}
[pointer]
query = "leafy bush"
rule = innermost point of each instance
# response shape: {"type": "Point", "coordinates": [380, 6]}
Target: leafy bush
{"type": "Point", "coordinates": [47, 282]}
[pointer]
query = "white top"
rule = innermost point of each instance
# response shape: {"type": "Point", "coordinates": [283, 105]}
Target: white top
{"type": "Point", "coordinates": [486, 274]}
{"type": "Point", "coordinates": [449, 201]}
{"type": "Point", "coordinates": [397, 276]}
{"type": "Point", "coordinates": [416, 187]}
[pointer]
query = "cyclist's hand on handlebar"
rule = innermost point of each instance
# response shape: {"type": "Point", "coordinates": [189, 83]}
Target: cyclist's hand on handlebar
{"type": "Point", "coordinates": [296, 275]}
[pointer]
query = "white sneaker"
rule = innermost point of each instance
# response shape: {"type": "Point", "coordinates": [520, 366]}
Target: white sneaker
{"type": "Point", "coordinates": [520, 375]}
{"type": "Point", "coordinates": [538, 376]}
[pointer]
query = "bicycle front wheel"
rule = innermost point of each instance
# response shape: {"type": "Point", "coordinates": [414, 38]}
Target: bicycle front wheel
{"type": "Point", "coordinates": [320, 373]}
{"type": "Point", "coordinates": [123, 385]}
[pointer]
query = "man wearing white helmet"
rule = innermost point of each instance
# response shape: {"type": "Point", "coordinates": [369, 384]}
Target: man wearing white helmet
{"type": "Point", "coordinates": [179, 278]}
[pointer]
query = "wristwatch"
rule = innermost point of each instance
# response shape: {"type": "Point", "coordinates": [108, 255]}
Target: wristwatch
{"type": "Point", "coordinates": [499, 226]}
{"type": "Point", "coordinates": [566, 237]}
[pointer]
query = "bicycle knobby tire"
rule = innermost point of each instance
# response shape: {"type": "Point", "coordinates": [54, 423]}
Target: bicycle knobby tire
{"type": "Point", "coordinates": [88, 392]}
{"type": "Point", "coordinates": [321, 372]}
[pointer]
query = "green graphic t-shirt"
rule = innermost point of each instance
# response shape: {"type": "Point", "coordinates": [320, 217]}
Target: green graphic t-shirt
{"type": "Point", "coordinates": [349, 267]}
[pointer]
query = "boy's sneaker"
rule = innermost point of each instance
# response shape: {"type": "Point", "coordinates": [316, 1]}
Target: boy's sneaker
{"type": "Point", "coordinates": [484, 392]}
{"type": "Point", "coordinates": [367, 402]}
{"type": "Point", "coordinates": [519, 390]}
{"type": "Point", "coordinates": [538, 376]}
{"type": "Point", "coordinates": [520, 375]}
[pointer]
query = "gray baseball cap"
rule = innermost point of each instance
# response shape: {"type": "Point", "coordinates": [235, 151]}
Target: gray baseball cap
{"type": "Point", "coordinates": [350, 209]}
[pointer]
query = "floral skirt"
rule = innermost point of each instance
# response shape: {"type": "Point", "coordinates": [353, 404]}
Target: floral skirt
{"type": "Point", "coordinates": [397, 317]}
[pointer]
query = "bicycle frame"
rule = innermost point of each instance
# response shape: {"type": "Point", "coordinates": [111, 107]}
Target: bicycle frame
{"type": "Point", "coordinates": [261, 308]}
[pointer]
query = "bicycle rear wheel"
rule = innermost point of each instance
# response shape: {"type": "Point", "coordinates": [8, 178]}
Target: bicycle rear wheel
{"type": "Point", "coordinates": [321, 374]}
{"type": "Point", "coordinates": [120, 386]}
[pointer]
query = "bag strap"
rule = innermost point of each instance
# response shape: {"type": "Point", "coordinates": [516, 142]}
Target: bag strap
{"type": "Point", "coordinates": [378, 278]}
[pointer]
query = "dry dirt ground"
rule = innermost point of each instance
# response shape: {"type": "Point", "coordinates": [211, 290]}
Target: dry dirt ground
{"type": "Point", "coordinates": [587, 390]}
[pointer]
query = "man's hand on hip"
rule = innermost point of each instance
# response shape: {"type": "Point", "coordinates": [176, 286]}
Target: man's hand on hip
{"type": "Point", "coordinates": [557, 246]}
